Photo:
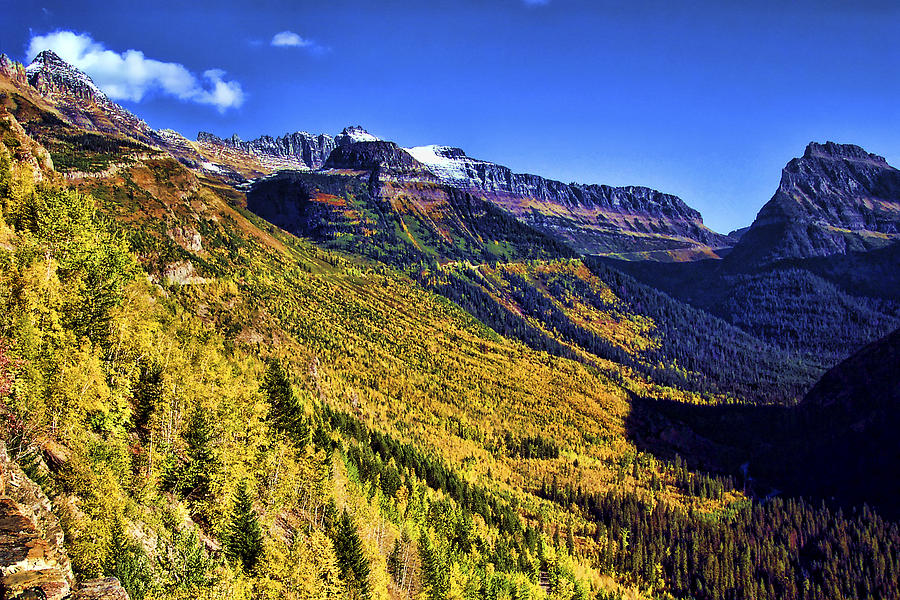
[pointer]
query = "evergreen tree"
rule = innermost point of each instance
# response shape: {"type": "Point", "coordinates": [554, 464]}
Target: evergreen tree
{"type": "Point", "coordinates": [286, 412]}
{"type": "Point", "coordinates": [127, 561]}
{"type": "Point", "coordinates": [351, 559]}
{"type": "Point", "coordinates": [435, 572]}
{"type": "Point", "coordinates": [148, 392]}
{"type": "Point", "coordinates": [196, 475]}
{"type": "Point", "coordinates": [394, 560]}
{"type": "Point", "coordinates": [242, 538]}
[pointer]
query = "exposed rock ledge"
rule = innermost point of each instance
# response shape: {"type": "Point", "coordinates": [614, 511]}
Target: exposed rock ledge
{"type": "Point", "coordinates": [33, 560]}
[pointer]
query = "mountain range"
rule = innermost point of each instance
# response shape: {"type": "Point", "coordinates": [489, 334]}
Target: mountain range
{"type": "Point", "coordinates": [413, 373]}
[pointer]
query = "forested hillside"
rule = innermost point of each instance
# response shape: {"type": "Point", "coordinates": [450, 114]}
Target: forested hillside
{"type": "Point", "coordinates": [218, 408]}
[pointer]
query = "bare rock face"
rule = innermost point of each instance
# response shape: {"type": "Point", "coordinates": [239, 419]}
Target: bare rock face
{"type": "Point", "coordinates": [21, 546]}
{"type": "Point", "coordinates": [12, 70]}
{"type": "Point", "coordinates": [371, 155]}
{"type": "Point", "coordinates": [41, 584]}
{"type": "Point", "coordinates": [27, 507]}
{"type": "Point", "coordinates": [106, 588]}
{"type": "Point", "coordinates": [300, 150]}
{"type": "Point", "coordinates": [33, 561]}
{"type": "Point", "coordinates": [835, 199]}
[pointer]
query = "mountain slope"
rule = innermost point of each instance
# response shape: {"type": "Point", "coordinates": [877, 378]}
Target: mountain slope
{"type": "Point", "coordinates": [592, 219]}
{"type": "Point", "coordinates": [816, 273]}
{"type": "Point", "coordinates": [220, 409]}
{"type": "Point", "coordinates": [377, 201]}
{"type": "Point", "coordinates": [849, 422]}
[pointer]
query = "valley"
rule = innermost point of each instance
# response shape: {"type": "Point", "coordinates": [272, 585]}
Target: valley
{"type": "Point", "coordinates": [315, 366]}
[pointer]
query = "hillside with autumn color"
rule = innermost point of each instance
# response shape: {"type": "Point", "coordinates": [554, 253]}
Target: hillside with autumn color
{"type": "Point", "coordinates": [360, 382]}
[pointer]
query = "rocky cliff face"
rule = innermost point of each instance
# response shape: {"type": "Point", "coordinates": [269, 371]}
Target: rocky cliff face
{"type": "Point", "coordinates": [299, 151]}
{"type": "Point", "coordinates": [835, 199]}
{"type": "Point", "coordinates": [33, 559]}
{"type": "Point", "coordinates": [76, 96]}
{"type": "Point", "coordinates": [12, 70]}
{"type": "Point", "coordinates": [593, 219]}
{"type": "Point", "coordinates": [372, 155]}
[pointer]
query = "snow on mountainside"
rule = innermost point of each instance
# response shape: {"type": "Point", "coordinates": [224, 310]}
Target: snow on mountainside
{"type": "Point", "coordinates": [353, 134]}
{"type": "Point", "coordinates": [451, 165]}
{"type": "Point", "coordinates": [83, 103]}
{"type": "Point", "coordinates": [590, 218]}
{"type": "Point", "coordinates": [62, 75]}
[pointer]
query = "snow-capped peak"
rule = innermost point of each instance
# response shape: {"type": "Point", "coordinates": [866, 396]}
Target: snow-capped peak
{"type": "Point", "coordinates": [353, 134]}
{"type": "Point", "coordinates": [49, 63]}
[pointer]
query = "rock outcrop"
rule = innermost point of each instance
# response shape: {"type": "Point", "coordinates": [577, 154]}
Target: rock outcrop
{"type": "Point", "coordinates": [371, 155]}
{"type": "Point", "coordinates": [12, 70]}
{"type": "Point", "coordinates": [105, 588]}
{"type": "Point", "coordinates": [300, 150]}
{"type": "Point", "coordinates": [33, 560]}
{"type": "Point", "coordinates": [835, 199]}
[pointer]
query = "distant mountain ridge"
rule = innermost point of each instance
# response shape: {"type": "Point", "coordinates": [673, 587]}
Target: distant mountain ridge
{"type": "Point", "coordinates": [833, 200]}
{"type": "Point", "coordinates": [299, 150]}
{"type": "Point", "coordinates": [592, 219]}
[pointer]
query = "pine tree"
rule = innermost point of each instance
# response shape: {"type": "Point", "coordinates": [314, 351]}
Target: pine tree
{"type": "Point", "coordinates": [435, 572]}
{"type": "Point", "coordinates": [197, 473]}
{"type": "Point", "coordinates": [351, 559]}
{"type": "Point", "coordinates": [242, 538]}
{"type": "Point", "coordinates": [393, 561]}
{"type": "Point", "coordinates": [148, 392]}
{"type": "Point", "coordinates": [286, 410]}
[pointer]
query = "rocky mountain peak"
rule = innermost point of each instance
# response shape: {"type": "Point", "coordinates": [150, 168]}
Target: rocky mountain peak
{"type": "Point", "coordinates": [51, 75]}
{"type": "Point", "coordinates": [835, 199]}
{"type": "Point", "coordinates": [48, 59]}
{"type": "Point", "coordinates": [79, 99]}
{"type": "Point", "coordinates": [354, 134]}
{"type": "Point", "coordinates": [832, 150]}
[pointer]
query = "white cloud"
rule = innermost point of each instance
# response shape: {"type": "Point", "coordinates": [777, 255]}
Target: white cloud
{"type": "Point", "coordinates": [132, 76]}
{"type": "Point", "coordinates": [290, 39]}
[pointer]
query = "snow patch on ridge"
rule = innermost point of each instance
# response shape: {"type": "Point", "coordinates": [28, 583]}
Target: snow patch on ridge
{"type": "Point", "coordinates": [449, 164]}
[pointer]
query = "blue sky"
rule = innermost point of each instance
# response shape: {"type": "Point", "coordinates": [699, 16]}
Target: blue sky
{"type": "Point", "coordinates": [706, 100]}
